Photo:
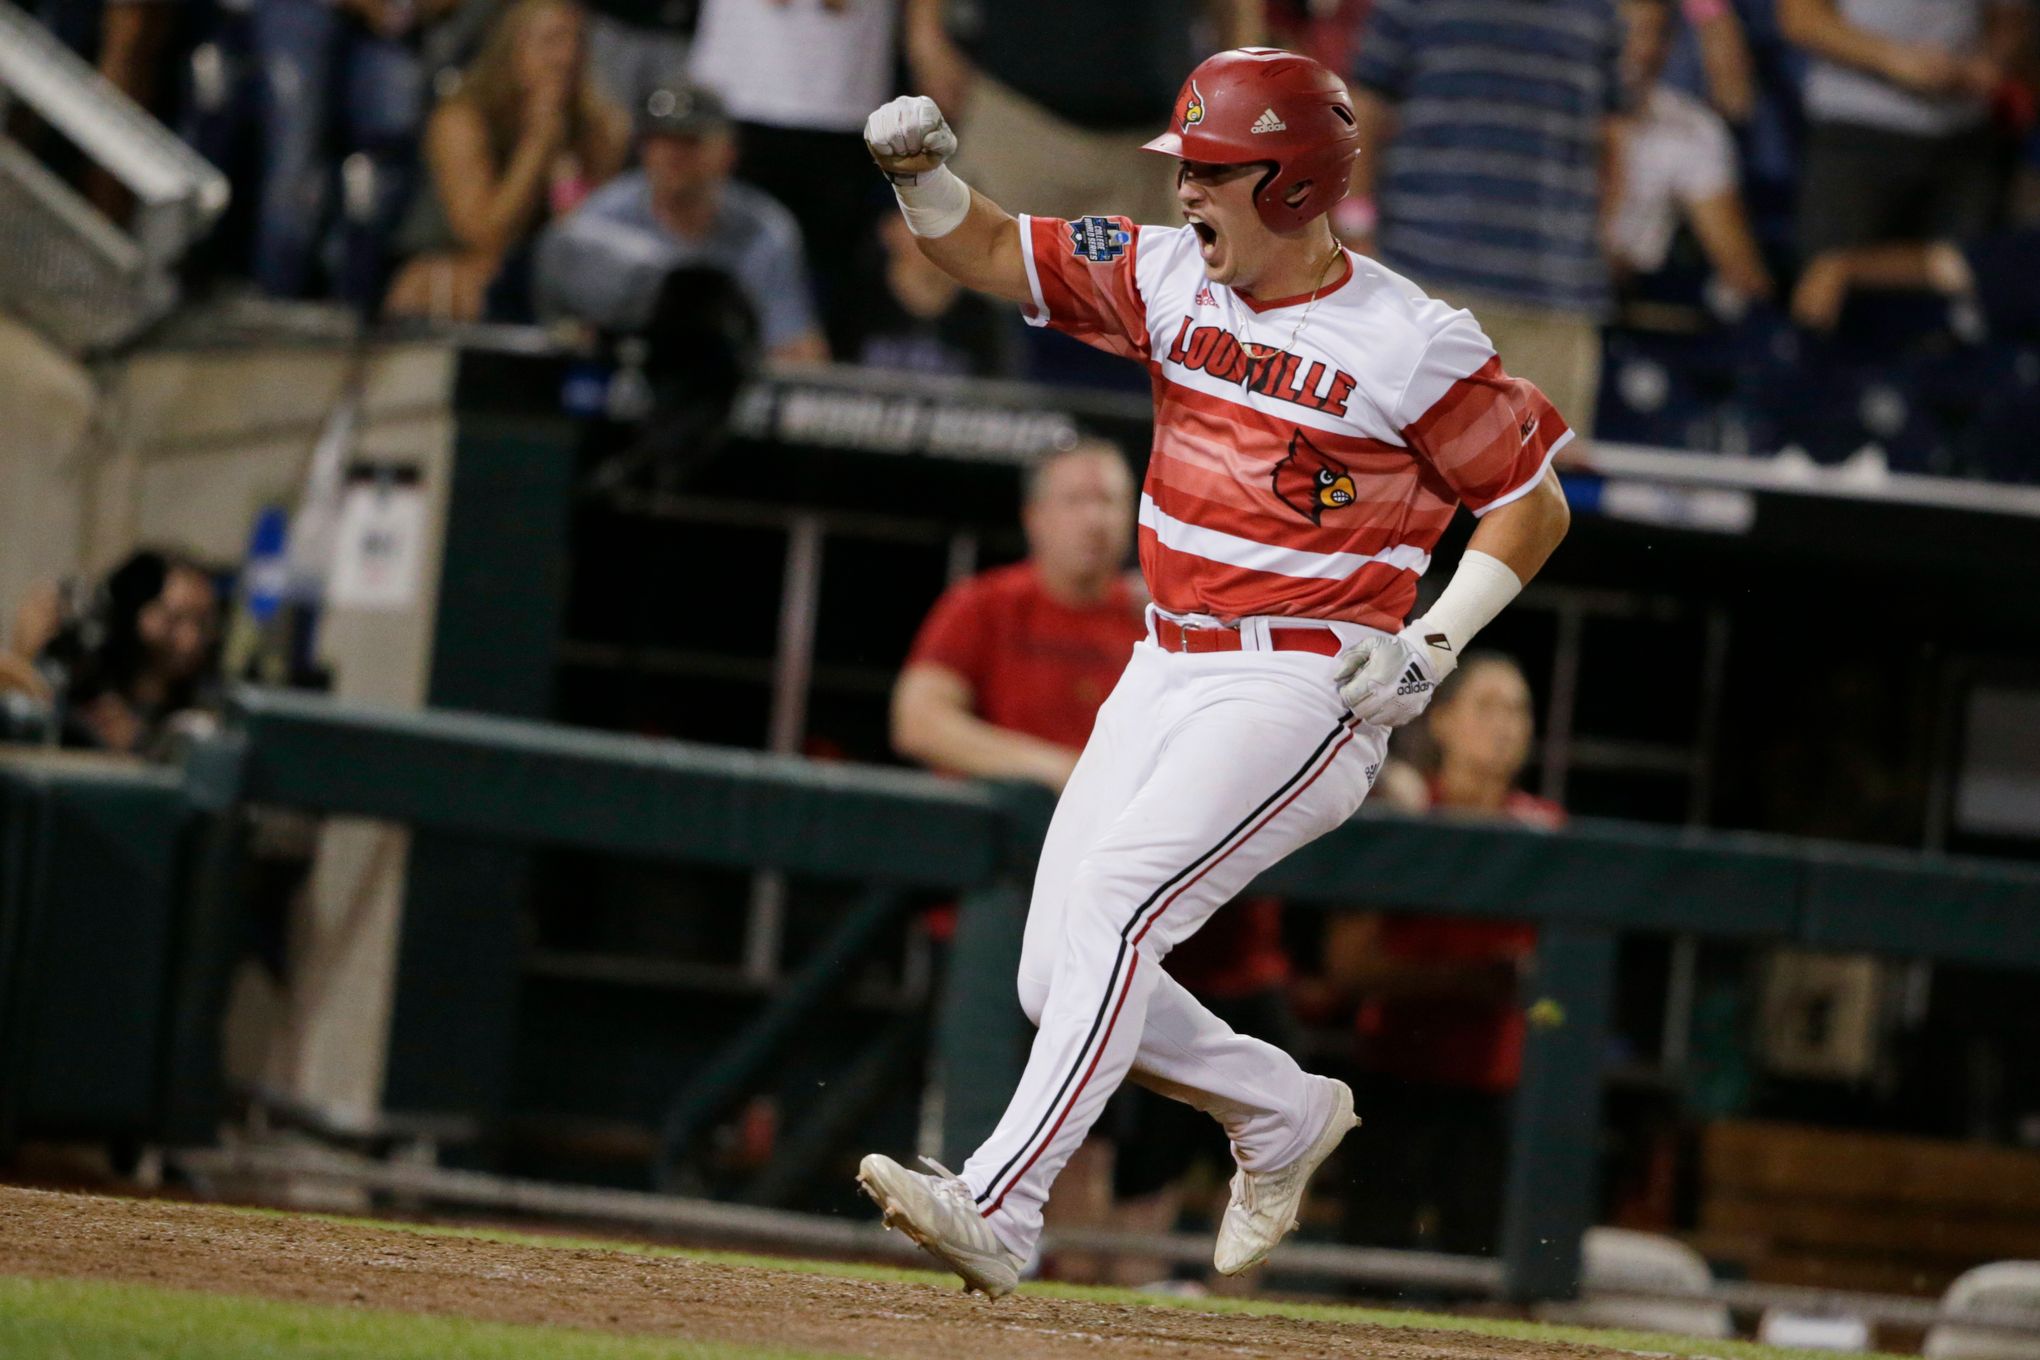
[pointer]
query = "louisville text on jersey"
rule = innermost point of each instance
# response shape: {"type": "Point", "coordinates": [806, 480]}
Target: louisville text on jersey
{"type": "Point", "coordinates": [1315, 385]}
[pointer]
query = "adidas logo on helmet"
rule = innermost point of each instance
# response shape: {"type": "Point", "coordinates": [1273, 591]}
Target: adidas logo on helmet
{"type": "Point", "coordinates": [1268, 122]}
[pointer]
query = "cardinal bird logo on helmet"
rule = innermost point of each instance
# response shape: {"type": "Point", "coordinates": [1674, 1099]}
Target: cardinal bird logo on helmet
{"type": "Point", "coordinates": [1193, 108]}
{"type": "Point", "coordinates": [1310, 483]}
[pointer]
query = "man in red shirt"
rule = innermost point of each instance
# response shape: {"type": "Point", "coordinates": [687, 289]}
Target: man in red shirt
{"type": "Point", "coordinates": [1441, 1024]}
{"type": "Point", "coordinates": [1008, 671]}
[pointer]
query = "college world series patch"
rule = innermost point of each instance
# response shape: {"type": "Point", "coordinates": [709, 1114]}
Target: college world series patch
{"type": "Point", "coordinates": [1098, 239]}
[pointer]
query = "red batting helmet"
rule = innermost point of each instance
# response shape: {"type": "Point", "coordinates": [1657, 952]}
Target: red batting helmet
{"type": "Point", "coordinates": [1256, 105]}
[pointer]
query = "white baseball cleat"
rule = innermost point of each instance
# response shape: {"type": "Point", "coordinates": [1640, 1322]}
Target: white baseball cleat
{"type": "Point", "coordinates": [1264, 1203]}
{"type": "Point", "coordinates": [942, 1218]}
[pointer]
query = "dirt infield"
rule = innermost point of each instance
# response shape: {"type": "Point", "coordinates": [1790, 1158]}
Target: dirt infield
{"type": "Point", "coordinates": [304, 1260]}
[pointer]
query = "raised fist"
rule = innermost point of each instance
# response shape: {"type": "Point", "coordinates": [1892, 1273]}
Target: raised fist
{"type": "Point", "coordinates": [908, 137]}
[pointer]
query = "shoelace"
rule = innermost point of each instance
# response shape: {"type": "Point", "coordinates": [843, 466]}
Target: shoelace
{"type": "Point", "coordinates": [1243, 1192]}
{"type": "Point", "coordinates": [948, 1184]}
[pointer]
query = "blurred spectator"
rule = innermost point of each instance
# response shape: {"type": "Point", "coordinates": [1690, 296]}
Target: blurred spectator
{"type": "Point", "coordinates": [1999, 273]}
{"type": "Point", "coordinates": [35, 622]}
{"type": "Point", "coordinates": [605, 264]}
{"type": "Point", "coordinates": [1323, 30]}
{"type": "Point", "coordinates": [1678, 163]}
{"type": "Point", "coordinates": [637, 46]}
{"type": "Point", "coordinates": [141, 651]}
{"type": "Point", "coordinates": [1440, 1025]}
{"type": "Point", "coordinates": [337, 77]}
{"type": "Point", "coordinates": [524, 137]}
{"type": "Point", "coordinates": [799, 77]}
{"type": "Point", "coordinates": [1052, 99]}
{"type": "Point", "coordinates": [1899, 143]}
{"type": "Point", "coordinates": [914, 318]}
{"type": "Point", "coordinates": [1487, 150]}
{"type": "Point", "coordinates": [1010, 667]}
{"type": "Point", "coordinates": [128, 41]}
{"type": "Point", "coordinates": [1725, 57]}
{"type": "Point", "coordinates": [135, 45]}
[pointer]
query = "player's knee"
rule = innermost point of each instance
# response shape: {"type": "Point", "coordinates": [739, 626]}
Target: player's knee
{"type": "Point", "coordinates": [1101, 897]}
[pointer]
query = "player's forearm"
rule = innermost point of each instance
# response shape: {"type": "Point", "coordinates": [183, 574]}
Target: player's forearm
{"type": "Point", "coordinates": [983, 251]}
{"type": "Point", "coordinates": [1509, 547]}
{"type": "Point", "coordinates": [1523, 534]}
{"type": "Point", "coordinates": [963, 743]}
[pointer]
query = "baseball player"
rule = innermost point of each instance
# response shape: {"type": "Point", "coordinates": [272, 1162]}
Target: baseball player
{"type": "Point", "coordinates": [1318, 420]}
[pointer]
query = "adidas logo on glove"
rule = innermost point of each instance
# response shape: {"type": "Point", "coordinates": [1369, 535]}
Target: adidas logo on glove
{"type": "Point", "coordinates": [1413, 681]}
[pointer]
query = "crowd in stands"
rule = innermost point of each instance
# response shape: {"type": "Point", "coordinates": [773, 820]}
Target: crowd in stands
{"type": "Point", "coordinates": [1742, 225]}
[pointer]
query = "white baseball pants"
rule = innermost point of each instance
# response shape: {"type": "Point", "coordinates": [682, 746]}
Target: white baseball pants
{"type": "Point", "coordinates": [1203, 770]}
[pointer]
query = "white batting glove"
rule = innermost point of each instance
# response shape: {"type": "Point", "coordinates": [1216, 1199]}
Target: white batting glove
{"type": "Point", "coordinates": [1390, 680]}
{"type": "Point", "coordinates": [908, 137]}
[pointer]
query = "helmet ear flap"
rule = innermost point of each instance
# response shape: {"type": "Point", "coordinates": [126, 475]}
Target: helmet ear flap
{"type": "Point", "coordinates": [1262, 201]}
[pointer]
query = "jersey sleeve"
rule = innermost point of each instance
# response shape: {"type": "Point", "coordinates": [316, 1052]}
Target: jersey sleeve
{"type": "Point", "coordinates": [1081, 276]}
{"type": "Point", "coordinates": [956, 635]}
{"type": "Point", "coordinates": [1488, 435]}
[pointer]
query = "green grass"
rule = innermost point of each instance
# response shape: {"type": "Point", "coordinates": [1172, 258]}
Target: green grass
{"type": "Point", "coordinates": [149, 1324]}
{"type": "Point", "coordinates": [90, 1320]}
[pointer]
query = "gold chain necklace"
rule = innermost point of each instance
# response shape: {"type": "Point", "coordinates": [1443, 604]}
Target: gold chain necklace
{"type": "Point", "coordinates": [1262, 353]}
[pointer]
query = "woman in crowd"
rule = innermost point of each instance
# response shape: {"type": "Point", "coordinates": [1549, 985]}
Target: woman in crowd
{"type": "Point", "coordinates": [144, 650]}
{"type": "Point", "coordinates": [1440, 1017]}
{"type": "Point", "coordinates": [523, 139]}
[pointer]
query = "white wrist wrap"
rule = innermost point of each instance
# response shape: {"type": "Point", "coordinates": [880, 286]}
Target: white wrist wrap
{"type": "Point", "coordinates": [935, 204]}
{"type": "Point", "coordinates": [1477, 592]}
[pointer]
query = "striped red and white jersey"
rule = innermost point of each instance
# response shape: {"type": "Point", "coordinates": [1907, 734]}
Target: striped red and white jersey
{"type": "Point", "coordinates": [1314, 480]}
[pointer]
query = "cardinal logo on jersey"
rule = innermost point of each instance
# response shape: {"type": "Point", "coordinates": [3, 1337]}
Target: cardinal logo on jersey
{"type": "Point", "coordinates": [1193, 108]}
{"type": "Point", "coordinates": [1309, 482]}
{"type": "Point", "coordinates": [1098, 239]}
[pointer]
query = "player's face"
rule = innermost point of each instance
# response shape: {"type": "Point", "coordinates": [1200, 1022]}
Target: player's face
{"type": "Point", "coordinates": [1487, 725]}
{"type": "Point", "coordinates": [1080, 521]}
{"type": "Point", "coordinates": [1218, 202]}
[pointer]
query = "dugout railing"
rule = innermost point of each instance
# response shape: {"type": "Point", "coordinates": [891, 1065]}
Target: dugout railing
{"type": "Point", "coordinates": [540, 785]}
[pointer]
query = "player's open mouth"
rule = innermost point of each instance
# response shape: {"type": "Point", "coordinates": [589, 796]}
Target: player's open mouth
{"type": "Point", "coordinates": [1207, 236]}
